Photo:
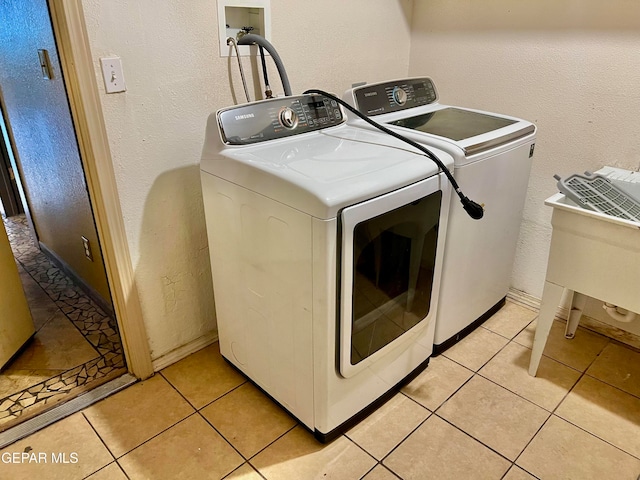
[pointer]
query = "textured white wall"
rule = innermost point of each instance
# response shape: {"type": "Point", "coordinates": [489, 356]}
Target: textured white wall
{"type": "Point", "coordinates": [175, 78]}
{"type": "Point", "coordinates": [571, 66]}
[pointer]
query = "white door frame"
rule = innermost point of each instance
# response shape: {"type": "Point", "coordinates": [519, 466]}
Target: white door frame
{"type": "Point", "coordinates": [70, 32]}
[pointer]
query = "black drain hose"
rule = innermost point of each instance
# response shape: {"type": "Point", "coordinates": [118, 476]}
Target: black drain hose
{"type": "Point", "coordinates": [473, 209]}
{"type": "Point", "coordinates": [252, 38]}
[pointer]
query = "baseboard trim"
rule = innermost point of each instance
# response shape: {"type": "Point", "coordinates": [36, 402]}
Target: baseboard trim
{"type": "Point", "coordinates": [533, 303]}
{"type": "Point", "coordinates": [523, 299]}
{"type": "Point", "coordinates": [592, 324]}
{"type": "Point", "coordinates": [184, 351]}
{"type": "Point", "coordinates": [610, 331]}
{"type": "Point", "coordinates": [91, 292]}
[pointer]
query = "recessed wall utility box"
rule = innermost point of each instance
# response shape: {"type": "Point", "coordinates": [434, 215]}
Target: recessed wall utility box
{"type": "Point", "coordinates": [234, 15]}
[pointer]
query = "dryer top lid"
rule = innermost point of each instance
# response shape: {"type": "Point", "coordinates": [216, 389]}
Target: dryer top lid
{"type": "Point", "coordinates": [320, 172]}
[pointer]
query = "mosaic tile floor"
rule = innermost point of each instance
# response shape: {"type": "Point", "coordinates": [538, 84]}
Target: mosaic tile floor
{"type": "Point", "coordinates": [77, 346]}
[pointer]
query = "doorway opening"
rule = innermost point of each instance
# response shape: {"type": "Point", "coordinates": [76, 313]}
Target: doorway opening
{"type": "Point", "coordinates": [76, 346]}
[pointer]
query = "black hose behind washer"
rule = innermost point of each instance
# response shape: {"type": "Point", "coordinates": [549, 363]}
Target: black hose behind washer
{"type": "Point", "coordinates": [473, 209]}
{"type": "Point", "coordinates": [267, 88]}
{"type": "Point", "coordinates": [251, 39]}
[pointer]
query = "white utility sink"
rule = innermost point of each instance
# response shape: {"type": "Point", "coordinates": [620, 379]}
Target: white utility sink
{"type": "Point", "coordinates": [591, 254]}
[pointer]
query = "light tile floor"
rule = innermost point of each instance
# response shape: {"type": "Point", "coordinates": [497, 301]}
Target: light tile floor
{"type": "Point", "coordinates": [474, 413]}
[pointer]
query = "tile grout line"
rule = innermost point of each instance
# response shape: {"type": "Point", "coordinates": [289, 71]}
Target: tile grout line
{"type": "Point", "coordinates": [566, 395]}
{"type": "Point", "coordinates": [512, 462]}
{"type": "Point", "coordinates": [582, 373]}
{"type": "Point", "coordinates": [352, 442]}
{"type": "Point", "coordinates": [246, 462]}
{"type": "Point", "coordinates": [96, 432]}
{"type": "Point", "coordinates": [526, 399]}
{"type": "Point", "coordinates": [596, 436]}
{"type": "Point", "coordinates": [155, 436]}
{"type": "Point", "coordinates": [115, 462]}
{"type": "Point", "coordinates": [199, 413]}
{"type": "Point", "coordinates": [532, 438]}
{"type": "Point", "coordinates": [517, 467]}
{"type": "Point", "coordinates": [477, 372]}
{"type": "Point", "coordinates": [512, 340]}
{"type": "Point", "coordinates": [619, 344]}
{"type": "Point", "coordinates": [225, 439]}
{"type": "Point", "coordinates": [431, 412]}
{"type": "Point", "coordinates": [552, 412]}
{"type": "Point", "coordinates": [122, 470]}
{"type": "Point", "coordinates": [381, 461]}
{"type": "Point", "coordinates": [297, 424]}
{"type": "Point", "coordinates": [381, 465]}
{"type": "Point", "coordinates": [610, 385]}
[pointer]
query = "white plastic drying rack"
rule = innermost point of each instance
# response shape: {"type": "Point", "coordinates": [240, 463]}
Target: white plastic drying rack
{"type": "Point", "coordinates": [596, 192]}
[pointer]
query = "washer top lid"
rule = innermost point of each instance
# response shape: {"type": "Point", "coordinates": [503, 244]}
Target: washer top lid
{"type": "Point", "coordinates": [412, 104]}
{"type": "Point", "coordinates": [320, 172]}
{"type": "Point", "coordinates": [474, 131]}
{"type": "Point", "coordinates": [454, 123]}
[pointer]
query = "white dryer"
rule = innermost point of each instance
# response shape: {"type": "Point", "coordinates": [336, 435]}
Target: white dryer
{"type": "Point", "coordinates": [326, 245]}
{"type": "Point", "coordinates": [492, 160]}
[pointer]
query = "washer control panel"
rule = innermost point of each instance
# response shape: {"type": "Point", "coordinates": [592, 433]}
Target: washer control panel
{"type": "Point", "coordinates": [277, 118]}
{"type": "Point", "coordinates": [379, 98]}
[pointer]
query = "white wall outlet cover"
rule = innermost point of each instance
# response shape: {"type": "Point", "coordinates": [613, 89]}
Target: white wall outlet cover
{"type": "Point", "coordinates": [113, 75]}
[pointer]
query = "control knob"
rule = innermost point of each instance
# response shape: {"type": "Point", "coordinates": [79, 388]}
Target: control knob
{"type": "Point", "coordinates": [400, 96]}
{"type": "Point", "coordinates": [288, 118]}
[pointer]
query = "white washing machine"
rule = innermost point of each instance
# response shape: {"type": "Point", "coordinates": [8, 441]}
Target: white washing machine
{"type": "Point", "coordinates": [326, 245]}
{"type": "Point", "coordinates": [492, 160]}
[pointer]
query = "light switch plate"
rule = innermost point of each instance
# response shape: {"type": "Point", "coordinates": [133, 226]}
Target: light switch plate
{"type": "Point", "coordinates": [113, 75]}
